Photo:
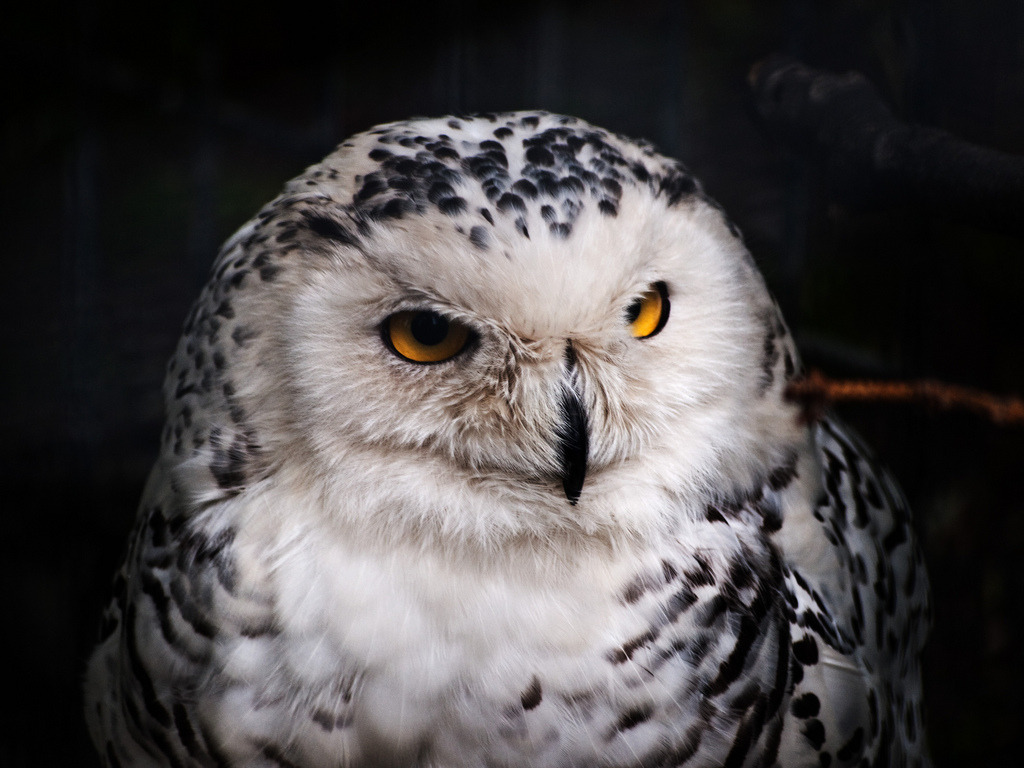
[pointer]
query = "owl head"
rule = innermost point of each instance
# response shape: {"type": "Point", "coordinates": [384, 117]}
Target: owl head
{"type": "Point", "coordinates": [481, 329]}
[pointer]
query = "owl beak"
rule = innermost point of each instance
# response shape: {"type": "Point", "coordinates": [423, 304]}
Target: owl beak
{"type": "Point", "coordinates": [573, 438]}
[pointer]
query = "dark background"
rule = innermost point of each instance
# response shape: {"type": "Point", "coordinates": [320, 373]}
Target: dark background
{"type": "Point", "coordinates": [136, 137]}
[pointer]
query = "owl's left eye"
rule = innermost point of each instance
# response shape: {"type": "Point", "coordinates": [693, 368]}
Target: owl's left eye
{"type": "Point", "coordinates": [648, 314]}
{"type": "Point", "coordinates": [422, 336]}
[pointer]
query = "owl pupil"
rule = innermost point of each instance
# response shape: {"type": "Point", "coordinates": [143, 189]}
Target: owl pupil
{"type": "Point", "coordinates": [633, 311]}
{"type": "Point", "coordinates": [428, 328]}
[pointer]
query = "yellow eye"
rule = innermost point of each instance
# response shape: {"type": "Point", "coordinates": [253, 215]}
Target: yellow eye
{"type": "Point", "coordinates": [422, 336]}
{"type": "Point", "coordinates": [648, 314]}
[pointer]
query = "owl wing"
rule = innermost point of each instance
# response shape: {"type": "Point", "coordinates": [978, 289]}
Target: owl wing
{"type": "Point", "coordinates": [858, 625]}
{"type": "Point", "coordinates": [178, 604]}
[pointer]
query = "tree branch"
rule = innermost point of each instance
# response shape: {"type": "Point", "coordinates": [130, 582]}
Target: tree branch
{"type": "Point", "coordinates": [816, 391]}
{"type": "Point", "coordinates": [871, 159]}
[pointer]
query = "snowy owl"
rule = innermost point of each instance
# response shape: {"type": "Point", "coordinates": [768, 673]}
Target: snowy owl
{"type": "Point", "coordinates": [478, 453]}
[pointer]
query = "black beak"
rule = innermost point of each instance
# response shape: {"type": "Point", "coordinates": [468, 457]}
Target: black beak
{"type": "Point", "coordinates": [573, 440]}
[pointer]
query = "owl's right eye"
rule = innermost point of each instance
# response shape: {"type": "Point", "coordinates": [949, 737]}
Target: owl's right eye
{"type": "Point", "coordinates": [422, 336]}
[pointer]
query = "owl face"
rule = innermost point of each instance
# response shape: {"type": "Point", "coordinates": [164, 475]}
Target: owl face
{"type": "Point", "coordinates": [506, 323]}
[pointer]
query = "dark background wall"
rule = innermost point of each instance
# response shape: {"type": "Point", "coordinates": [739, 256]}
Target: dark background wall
{"type": "Point", "coordinates": [136, 137]}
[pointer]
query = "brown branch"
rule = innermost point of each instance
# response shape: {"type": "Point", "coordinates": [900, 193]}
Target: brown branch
{"type": "Point", "coordinates": [816, 391]}
{"type": "Point", "coordinates": [872, 159]}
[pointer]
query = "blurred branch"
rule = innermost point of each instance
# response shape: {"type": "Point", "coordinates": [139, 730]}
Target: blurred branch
{"type": "Point", "coordinates": [871, 159]}
{"type": "Point", "coordinates": [815, 392]}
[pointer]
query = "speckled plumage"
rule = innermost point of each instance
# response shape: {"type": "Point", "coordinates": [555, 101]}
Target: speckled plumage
{"type": "Point", "coordinates": [565, 545]}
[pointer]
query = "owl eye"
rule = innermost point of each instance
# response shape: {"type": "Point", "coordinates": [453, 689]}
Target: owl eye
{"type": "Point", "coordinates": [422, 336]}
{"type": "Point", "coordinates": [648, 314]}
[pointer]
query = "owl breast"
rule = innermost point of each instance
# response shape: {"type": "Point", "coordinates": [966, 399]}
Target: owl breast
{"type": "Point", "coordinates": [681, 649]}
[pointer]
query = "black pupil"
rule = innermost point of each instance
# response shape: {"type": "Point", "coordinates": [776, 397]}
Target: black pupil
{"type": "Point", "coordinates": [633, 311]}
{"type": "Point", "coordinates": [428, 328]}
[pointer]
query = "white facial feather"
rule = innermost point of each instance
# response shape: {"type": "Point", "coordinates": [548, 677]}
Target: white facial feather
{"type": "Point", "coordinates": [677, 418]}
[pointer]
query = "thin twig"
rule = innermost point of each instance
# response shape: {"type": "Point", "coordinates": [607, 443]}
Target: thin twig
{"type": "Point", "coordinates": [815, 391]}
